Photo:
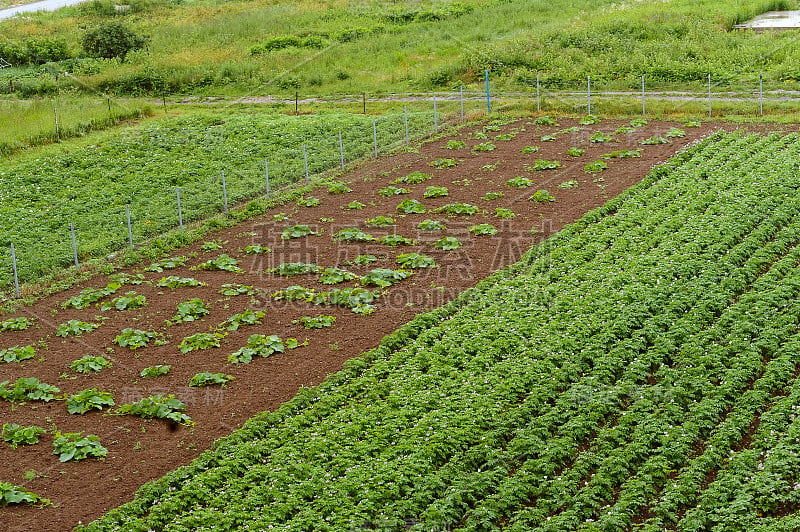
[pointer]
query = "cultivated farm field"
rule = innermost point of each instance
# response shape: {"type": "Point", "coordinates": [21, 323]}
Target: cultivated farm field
{"type": "Point", "coordinates": [281, 301]}
{"type": "Point", "coordinates": [636, 371]}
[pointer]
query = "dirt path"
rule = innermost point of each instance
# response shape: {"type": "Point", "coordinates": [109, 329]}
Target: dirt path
{"type": "Point", "coordinates": [143, 450]}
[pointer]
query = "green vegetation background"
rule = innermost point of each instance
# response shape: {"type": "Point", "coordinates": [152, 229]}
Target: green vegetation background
{"type": "Point", "coordinates": [329, 47]}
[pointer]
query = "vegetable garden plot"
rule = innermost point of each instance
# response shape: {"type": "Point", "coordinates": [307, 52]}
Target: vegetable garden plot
{"type": "Point", "coordinates": [276, 306]}
{"type": "Point", "coordinates": [636, 371]}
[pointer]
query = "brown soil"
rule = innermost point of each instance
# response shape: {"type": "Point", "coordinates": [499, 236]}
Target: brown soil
{"type": "Point", "coordinates": [142, 450]}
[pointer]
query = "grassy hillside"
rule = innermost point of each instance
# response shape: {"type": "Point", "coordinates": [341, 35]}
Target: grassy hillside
{"type": "Point", "coordinates": [240, 47]}
{"type": "Point", "coordinates": [638, 371]}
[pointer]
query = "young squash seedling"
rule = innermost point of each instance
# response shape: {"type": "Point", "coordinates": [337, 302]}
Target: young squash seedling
{"type": "Point", "coordinates": [74, 446]}
{"type": "Point", "coordinates": [16, 435]}
{"type": "Point", "coordinates": [89, 364]}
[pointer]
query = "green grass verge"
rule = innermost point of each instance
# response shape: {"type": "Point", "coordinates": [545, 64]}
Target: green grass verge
{"type": "Point", "coordinates": [235, 47]}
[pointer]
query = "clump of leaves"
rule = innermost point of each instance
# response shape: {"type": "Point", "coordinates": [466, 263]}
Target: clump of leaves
{"type": "Point", "coordinates": [548, 138]}
{"type": "Point", "coordinates": [123, 278]}
{"type": "Point", "coordinates": [411, 206]}
{"type": "Point", "coordinates": [622, 154]}
{"type": "Point", "coordinates": [490, 167]}
{"type": "Point", "coordinates": [317, 322]}
{"type": "Point", "coordinates": [575, 152]}
{"type": "Point", "coordinates": [89, 296]}
{"type": "Point", "coordinates": [296, 231]}
{"type": "Point", "coordinates": [295, 293]}
{"type": "Point", "coordinates": [504, 137]}
{"type": "Point", "coordinates": [213, 245]}
{"type": "Point", "coordinates": [530, 149]}
{"type": "Point", "coordinates": [396, 240]}
{"type": "Point", "coordinates": [484, 147]}
{"type": "Point", "coordinates": [280, 217]}
{"type": "Point", "coordinates": [448, 243]}
{"type": "Point", "coordinates": [191, 310]}
{"type": "Point", "coordinates": [483, 229]}
{"type": "Point", "coordinates": [208, 379]}
{"type": "Point", "coordinates": [248, 317]}
{"type": "Point", "coordinates": [200, 341]}
{"type": "Point", "coordinates": [519, 182]}
{"type": "Point", "coordinates": [339, 188]}
{"type": "Point", "coordinates": [568, 184]}
{"type": "Point", "coordinates": [256, 249]}
{"type": "Point", "coordinates": [435, 192]}
{"type": "Point", "coordinates": [74, 446]}
{"type": "Point", "coordinates": [11, 494]}
{"type": "Point", "coordinates": [455, 145]}
{"type": "Point", "coordinates": [692, 123]}
{"type": "Point", "coordinates": [336, 275]}
{"type": "Point", "coordinates": [599, 137]}
{"type": "Point", "coordinates": [358, 300]}
{"type": "Point", "coordinates": [131, 300]}
{"type": "Point", "coordinates": [502, 212]}
{"type": "Point", "coordinates": [157, 406]}
{"type": "Point", "coordinates": [393, 190]}
{"type": "Point", "coordinates": [167, 264]}
{"type": "Point", "coordinates": [260, 345]}
{"type": "Point", "coordinates": [356, 205]}
{"type": "Point", "coordinates": [489, 196]}
{"type": "Point", "coordinates": [542, 196]}
{"type": "Point", "coordinates": [90, 364]}
{"type": "Point", "coordinates": [458, 208]}
{"type": "Point", "coordinates": [288, 269]}
{"type": "Point", "coordinates": [638, 122]}
{"type": "Point", "coordinates": [353, 234]}
{"type": "Point", "coordinates": [134, 338]}
{"type": "Point", "coordinates": [595, 167]}
{"type": "Point", "coordinates": [675, 132]}
{"type": "Point", "coordinates": [545, 121]}
{"type": "Point", "coordinates": [655, 140]}
{"type": "Point", "coordinates": [543, 164]}
{"type": "Point", "coordinates": [91, 399]}
{"type": "Point", "coordinates": [222, 263]}
{"type": "Point", "coordinates": [17, 353]}
{"type": "Point", "coordinates": [15, 324]}
{"type": "Point", "coordinates": [413, 178]}
{"type": "Point", "coordinates": [236, 289]}
{"type": "Point", "coordinates": [624, 130]}
{"type": "Point", "coordinates": [173, 281]}
{"type": "Point", "coordinates": [16, 435]}
{"type": "Point", "coordinates": [380, 221]}
{"type": "Point", "coordinates": [480, 135]}
{"type": "Point", "coordinates": [385, 277]}
{"type": "Point", "coordinates": [443, 163]}
{"type": "Point", "coordinates": [308, 201]}
{"type": "Point", "coordinates": [431, 225]}
{"type": "Point", "coordinates": [415, 261]}
{"type": "Point", "coordinates": [588, 120]}
{"type": "Point", "coordinates": [362, 260]}
{"type": "Point", "coordinates": [155, 371]}
{"type": "Point", "coordinates": [75, 328]}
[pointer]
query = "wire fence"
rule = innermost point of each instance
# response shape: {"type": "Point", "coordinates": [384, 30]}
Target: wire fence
{"type": "Point", "coordinates": [37, 245]}
{"type": "Point", "coordinates": [135, 222]}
